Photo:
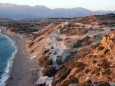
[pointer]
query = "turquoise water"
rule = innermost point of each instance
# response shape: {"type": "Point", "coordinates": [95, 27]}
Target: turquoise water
{"type": "Point", "coordinates": [7, 54]}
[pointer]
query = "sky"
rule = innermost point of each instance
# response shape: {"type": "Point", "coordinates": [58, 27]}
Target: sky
{"type": "Point", "coordinates": [89, 4]}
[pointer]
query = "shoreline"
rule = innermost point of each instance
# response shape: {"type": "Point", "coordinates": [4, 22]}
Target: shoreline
{"type": "Point", "coordinates": [20, 73]}
{"type": "Point", "coordinates": [10, 62]}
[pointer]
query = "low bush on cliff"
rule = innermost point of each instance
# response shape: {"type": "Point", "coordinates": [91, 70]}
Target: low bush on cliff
{"type": "Point", "coordinates": [65, 74]}
{"type": "Point", "coordinates": [49, 71]}
{"type": "Point", "coordinates": [31, 44]}
{"type": "Point", "coordinates": [106, 72]}
{"type": "Point", "coordinates": [71, 80]}
{"type": "Point", "coordinates": [105, 64]}
{"type": "Point", "coordinates": [45, 61]}
{"type": "Point", "coordinates": [101, 48]}
{"type": "Point", "coordinates": [106, 51]}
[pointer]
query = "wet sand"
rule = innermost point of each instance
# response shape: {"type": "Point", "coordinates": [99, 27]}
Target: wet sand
{"type": "Point", "coordinates": [23, 64]}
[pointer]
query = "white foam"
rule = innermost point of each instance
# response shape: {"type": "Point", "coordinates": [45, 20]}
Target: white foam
{"type": "Point", "coordinates": [7, 71]}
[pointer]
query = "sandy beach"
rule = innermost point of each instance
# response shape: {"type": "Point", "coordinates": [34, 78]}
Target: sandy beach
{"type": "Point", "coordinates": [23, 64]}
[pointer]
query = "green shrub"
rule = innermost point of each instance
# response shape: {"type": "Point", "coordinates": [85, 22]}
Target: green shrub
{"type": "Point", "coordinates": [49, 62]}
{"type": "Point", "coordinates": [87, 71]}
{"type": "Point", "coordinates": [105, 64]}
{"type": "Point", "coordinates": [31, 44]}
{"type": "Point", "coordinates": [43, 60]}
{"type": "Point", "coordinates": [94, 61]}
{"type": "Point", "coordinates": [49, 71]}
{"type": "Point", "coordinates": [81, 68]}
{"type": "Point", "coordinates": [106, 51]}
{"type": "Point", "coordinates": [88, 82]}
{"type": "Point", "coordinates": [87, 40]}
{"type": "Point", "coordinates": [101, 48]}
{"type": "Point", "coordinates": [106, 72]}
{"type": "Point", "coordinates": [45, 51]}
{"type": "Point", "coordinates": [72, 79]}
{"type": "Point", "coordinates": [96, 71]}
{"type": "Point", "coordinates": [65, 74]}
{"type": "Point", "coordinates": [66, 83]}
{"type": "Point", "coordinates": [59, 62]}
{"type": "Point", "coordinates": [79, 64]}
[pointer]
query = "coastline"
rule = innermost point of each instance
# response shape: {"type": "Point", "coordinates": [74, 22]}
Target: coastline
{"type": "Point", "coordinates": [20, 74]}
{"type": "Point", "coordinates": [6, 74]}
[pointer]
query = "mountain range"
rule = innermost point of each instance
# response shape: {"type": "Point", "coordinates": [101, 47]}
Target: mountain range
{"type": "Point", "coordinates": [14, 11]}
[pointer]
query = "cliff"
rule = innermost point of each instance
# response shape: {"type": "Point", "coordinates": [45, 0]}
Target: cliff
{"type": "Point", "coordinates": [90, 65]}
{"type": "Point", "coordinates": [75, 52]}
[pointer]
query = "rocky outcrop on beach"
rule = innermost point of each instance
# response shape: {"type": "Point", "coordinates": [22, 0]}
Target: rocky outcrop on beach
{"type": "Point", "coordinates": [76, 52]}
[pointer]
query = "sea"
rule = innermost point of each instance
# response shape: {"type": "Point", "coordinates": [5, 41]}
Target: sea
{"type": "Point", "coordinates": [7, 54]}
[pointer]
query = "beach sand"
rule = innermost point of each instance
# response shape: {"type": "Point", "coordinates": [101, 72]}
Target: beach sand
{"type": "Point", "coordinates": [23, 64]}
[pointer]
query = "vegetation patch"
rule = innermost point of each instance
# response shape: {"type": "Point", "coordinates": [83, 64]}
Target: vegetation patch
{"type": "Point", "coordinates": [100, 48]}
{"type": "Point", "coordinates": [81, 68]}
{"type": "Point", "coordinates": [65, 83]}
{"type": "Point", "coordinates": [106, 51]}
{"type": "Point", "coordinates": [45, 61]}
{"type": "Point", "coordinates": [31, 44]}
{"type": "Point", "coordinates": [79, 64]}
{"type": "Point", "coordinates": [72, 80]}
{"type": "Point", "coordinates": [105, 64]}
{"type": "Point", "coordinates": [94, 61]}
{"type": "Point", "coordinates": [96, 71]}
{"type": "Point", "coordinates": [65, 74]}
{"type": "Point", "coordinates": [87, 70]}
{"type": "Point", "coordinates": [106, 72]}
{"type": "Point", "coordinates": [49, 71]}
{"type": "Point", "coordinates": [59, 61]}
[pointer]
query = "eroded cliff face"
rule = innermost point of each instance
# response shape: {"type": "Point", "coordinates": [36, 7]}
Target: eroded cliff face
{"type": "Point", "coordinates": [74, 52]}
{"type": "Point", "coordinates": [91, 65]}
{"type": "Point", "coordinates": [65, 39]}
{"type": "Point", "coordinates": [40, 40]}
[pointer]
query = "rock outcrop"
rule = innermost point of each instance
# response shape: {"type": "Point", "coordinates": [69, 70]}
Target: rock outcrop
{"type": "Point", "coordinates": [91, 65]}
{"type": "Point", "coordinates": [109, 42]}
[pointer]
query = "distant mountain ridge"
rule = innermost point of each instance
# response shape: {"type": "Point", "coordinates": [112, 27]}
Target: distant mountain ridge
{"type": "Point", "coordinates": [24, 11]}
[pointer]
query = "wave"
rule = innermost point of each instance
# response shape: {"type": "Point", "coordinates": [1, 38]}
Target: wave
{"type": "Point", "coordinates": [7, 70]}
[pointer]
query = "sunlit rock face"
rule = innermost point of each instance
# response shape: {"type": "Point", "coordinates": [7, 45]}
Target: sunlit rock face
{"type": "Point", "coordinates": [109, 41]}
{"type": "Point", "coordinates": [90, 51]}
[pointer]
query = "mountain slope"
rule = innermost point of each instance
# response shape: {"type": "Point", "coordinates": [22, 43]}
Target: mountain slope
{"type": "Point", "coordinates": [24, 11]}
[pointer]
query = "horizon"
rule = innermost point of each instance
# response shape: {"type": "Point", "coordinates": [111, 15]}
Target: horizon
{"type": "Point", "coordinates": [88, 4]}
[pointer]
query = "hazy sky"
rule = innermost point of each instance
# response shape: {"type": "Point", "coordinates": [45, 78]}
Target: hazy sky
{"type": "Point", "coordinates": [90, 4]}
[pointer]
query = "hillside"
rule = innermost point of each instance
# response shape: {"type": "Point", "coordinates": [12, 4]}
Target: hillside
{"type": "Point", "coordinates": [108, 19]}
{"type": "Point", "coordinates": [79, 51]}
{"type": "Point", "coordinates": [91, 65]}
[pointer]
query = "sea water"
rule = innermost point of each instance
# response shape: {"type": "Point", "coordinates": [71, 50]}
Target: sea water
{"type": "Point", "coordinates": [7, 54]}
